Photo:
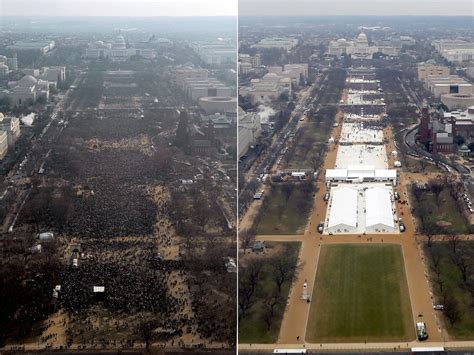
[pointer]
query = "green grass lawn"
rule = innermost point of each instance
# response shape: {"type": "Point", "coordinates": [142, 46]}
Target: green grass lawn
{"type": "Point", "coordinates": [453, 286]}
{"type": "Point", "coordinates": [417, 166]}
{"type": "Point", "coordinates": [360, 294]}
{"type": "Point", "coordinates": [444, 213]}
{"type": "Point", "coordinates": [281, 216]}
{"type": "Point", "coordinates": [302, 157]}
{"type": "Point", "coordinates": [252, 328]}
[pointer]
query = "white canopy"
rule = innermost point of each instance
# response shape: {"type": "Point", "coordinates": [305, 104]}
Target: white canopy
{"type": "Point", "coordinates": [343, 215]}
{"type": "Point", "coordinates": [379, 213]}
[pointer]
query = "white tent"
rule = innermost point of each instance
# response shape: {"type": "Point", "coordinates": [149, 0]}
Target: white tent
{"type": "Point", "coordinates": [378, 206]}
{"type": "Point", "coordinates": [343, 213]}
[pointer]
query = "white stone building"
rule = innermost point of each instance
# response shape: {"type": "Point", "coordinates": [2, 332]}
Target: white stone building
{"type": "Point", "coordinates": [27, 90]}
{"type": "Point", "coordinates": [116, 51]}
{"type": "Point", "coordinates": [3, 144]}
{"type": "Point", "coordinates": [360, 48]}
{"type": "Point", "coordinates": [11, 125]}
{"type": "Point", "coordinates": [266, 89]}
{"type": "Point", "coordinates": [249, 130]}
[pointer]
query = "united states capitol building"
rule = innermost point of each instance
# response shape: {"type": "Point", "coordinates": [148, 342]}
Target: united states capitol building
{"type": "Point", "coordinates": [116, 51]}
{"type": "Point", "coordinates": [360, 48]}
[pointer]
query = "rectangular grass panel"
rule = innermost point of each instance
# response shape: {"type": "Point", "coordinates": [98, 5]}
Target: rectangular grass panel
{"type": "Point", "coordinates": [360, 294]}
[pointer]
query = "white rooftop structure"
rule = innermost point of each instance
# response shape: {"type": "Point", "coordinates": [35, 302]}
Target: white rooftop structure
{"type": "Point", "coordinates": [361, 173]}
{"type": "Point", "coordinates": [359, 208]}
{"type": "Point", "coordinates": [343, 213]}
{"type": "Point", "coordinates": [379, 215]}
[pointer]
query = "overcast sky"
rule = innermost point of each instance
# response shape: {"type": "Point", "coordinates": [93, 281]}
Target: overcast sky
{"type": "Point", "coordinates": [356, 7]}
{"type": "Point", "coordinates": [118, 7]}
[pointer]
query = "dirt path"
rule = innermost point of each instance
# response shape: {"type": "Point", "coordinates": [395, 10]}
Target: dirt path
{"type": "Point", "coordinates": [296, 314]}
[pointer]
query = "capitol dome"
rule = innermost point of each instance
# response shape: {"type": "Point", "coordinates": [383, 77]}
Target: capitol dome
{"type": "Point", "coordinates": [27, 81]}
{"type": "Point", "coordinates": [362, 39]}
{"type": "Point", "coordinates": [119, 42]}
{"type": "Point", "coordinates": [99, 44]}
{"type": "Point", "coordinates": [271, 76]}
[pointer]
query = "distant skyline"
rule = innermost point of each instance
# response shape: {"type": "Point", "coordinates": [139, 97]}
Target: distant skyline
{"type": "Point", "coordinates": [135, 8]}
{"type": "Point", "coordinates": [356, 7]}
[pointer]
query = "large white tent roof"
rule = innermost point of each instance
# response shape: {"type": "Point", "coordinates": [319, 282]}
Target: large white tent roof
{"type": "Point", "coordinates": [378, 208]}
{"type": "Point", "coordinates": [336, 174]}
{"type": "Point", "coordinates": [344, 208]}
{"type": "Point", "coordinates": [360, 172]}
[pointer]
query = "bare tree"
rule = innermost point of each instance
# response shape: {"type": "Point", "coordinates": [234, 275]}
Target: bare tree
{"type": "Point", "coordinates": [282, 269]}
{"type": "Point", "coordinates": [146, 331]}
{"type": "Point", "coordinates": [202, 214]}
{"type": "Point", "coordinates": [462, 262]}
{"type": "Point", "coordinates": [270, 302]}
{"type": "Point", "coordinates": [440, 282]}
{"type": "Point", "coordinates": [416, 192]}
{"type": "Point", "coordinates": [453, 240]}
{"type": "Point", "coordinates": [436, 186]}
{"type": "Point", "coordinates": [249, 278]}
{"type": "Point", "coordinates": [451, 310]}
{"type": "Point", "coordinates": [246, 238]}
{"type": "Point", "coordinates": [287, 190]}
{"type": "Point", "coordinates": [435, 258]}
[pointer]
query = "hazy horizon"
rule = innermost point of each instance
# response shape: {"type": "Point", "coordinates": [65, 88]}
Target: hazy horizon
{"type": "Point", "coordinates": [356, 8]}
{"type": "Point", "coordinates": [118, 8]}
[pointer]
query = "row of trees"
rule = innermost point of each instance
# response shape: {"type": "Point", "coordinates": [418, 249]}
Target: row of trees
{"type": "Point", "coordinates": [26, 283]}
{"type": "Point", "coordinates": [424, 206]}
{"type": "Point", "coordinates": [453, 270]}
{"type": "Point", "coordinates": [261, 284]}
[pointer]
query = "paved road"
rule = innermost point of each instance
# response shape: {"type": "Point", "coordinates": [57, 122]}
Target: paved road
{"type": "Point", "coordinates": [279, 141]}
{"type": "Point", "coordinates": [16, 175]}
{"type": "Point", "coordinates": [410, 141]}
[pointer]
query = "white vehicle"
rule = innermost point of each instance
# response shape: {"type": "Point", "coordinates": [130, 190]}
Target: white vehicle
{"type": "Point", "coordinates": [401, 226]}
{"type": "Point", "coordinates": [321, 227]}
{"type": "Point", "coordinates": [421, 333]}
{"type": "Point", "coordinates": [438, 307]}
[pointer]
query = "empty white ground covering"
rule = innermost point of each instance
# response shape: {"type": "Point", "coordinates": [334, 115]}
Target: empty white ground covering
{"type": "Point", "coordinates": [343, 211]}
{"type": "Point", "coordinates": [360, 80]}
{"type": "Point", "coordinates": [355, 117]}
{"type": "Point", "coordinates": [358, 99]}
{"type": "Point", "coordinates": [379, 216]}
{"type": "Point", "coordinates": [361, 154]}
{"type": "Point", "coordinates": [357, 133]}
